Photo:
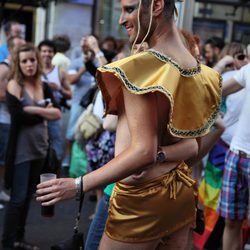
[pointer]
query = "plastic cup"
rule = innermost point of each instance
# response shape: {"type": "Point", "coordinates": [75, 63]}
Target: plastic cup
{"type": "Point", "coordinates": [47, 211]}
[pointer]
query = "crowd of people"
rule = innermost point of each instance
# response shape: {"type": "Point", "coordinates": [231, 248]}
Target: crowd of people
{"type": "Point", "coordinates": [161, 96]}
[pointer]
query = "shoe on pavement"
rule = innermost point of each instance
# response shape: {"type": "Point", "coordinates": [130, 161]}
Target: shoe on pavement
{"type": "Point", "coordinates": [4, 197]}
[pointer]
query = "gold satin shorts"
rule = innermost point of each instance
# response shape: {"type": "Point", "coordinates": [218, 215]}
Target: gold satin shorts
{"type": "Point", "coordinates": [152, 210]}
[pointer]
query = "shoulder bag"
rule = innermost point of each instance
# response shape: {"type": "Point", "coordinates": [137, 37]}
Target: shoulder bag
{"type": "Point", "coordinates": [88, 124]}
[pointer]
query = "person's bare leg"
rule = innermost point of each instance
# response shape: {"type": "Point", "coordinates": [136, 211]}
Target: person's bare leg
{"type": "Point", "coordinates": [232, 236]}
{"type": "Point", "coordinates": [180, 240]}
{"type": "Point", "coordinates": [109, 244]}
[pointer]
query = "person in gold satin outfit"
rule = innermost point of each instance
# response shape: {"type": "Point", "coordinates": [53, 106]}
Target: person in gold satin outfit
{"type": "Point", "coordinates": [161, 96]}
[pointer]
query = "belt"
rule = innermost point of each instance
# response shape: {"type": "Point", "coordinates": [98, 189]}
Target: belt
{"type": "Point", "coordinates": [240, 153]}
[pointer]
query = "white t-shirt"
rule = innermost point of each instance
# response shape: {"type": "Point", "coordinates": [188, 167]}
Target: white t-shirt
{"type": "Point", "coordinates": [234, 103]}
{"type": "Point", "coordinates": [98, 108]}
{"type": "Point", "coordinates": [241, 138]}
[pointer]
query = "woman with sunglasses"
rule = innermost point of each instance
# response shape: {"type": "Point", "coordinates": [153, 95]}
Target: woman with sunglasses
{"type": "Point", "coordinates": [27, 99]}
{"type": "Point", "coordinates": [233, 57]}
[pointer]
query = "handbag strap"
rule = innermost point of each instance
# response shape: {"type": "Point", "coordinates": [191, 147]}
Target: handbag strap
{"type": "Point", "coordinates": [76, 227]}
{"type": "Point", "coordinates": [95, 95]}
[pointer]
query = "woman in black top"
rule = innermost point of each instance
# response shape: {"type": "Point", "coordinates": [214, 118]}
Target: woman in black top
{"type": "Point", "coordinates": [30, 104]}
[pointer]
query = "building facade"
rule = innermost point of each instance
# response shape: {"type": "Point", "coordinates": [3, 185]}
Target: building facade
{"type": "Point", "coordinates": [71, 17]}
{"type": "Point", "coordinates": [229, 19]}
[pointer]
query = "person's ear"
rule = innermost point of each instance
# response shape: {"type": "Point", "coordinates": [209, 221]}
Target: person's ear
{"type": "Point", "coordinates": [158, 7]}
{"type": "Point", "coordinates": [217, 51]}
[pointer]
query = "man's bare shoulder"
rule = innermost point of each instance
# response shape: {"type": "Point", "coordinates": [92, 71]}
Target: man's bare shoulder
{"type": "Point", "coordinates": [63, 77]}
{"type": "Point", "coordinates": [4, 68]}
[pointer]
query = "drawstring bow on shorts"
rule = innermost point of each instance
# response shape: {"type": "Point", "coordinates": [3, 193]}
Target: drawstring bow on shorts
{"type": "Point", "coordinates": [181, 173]}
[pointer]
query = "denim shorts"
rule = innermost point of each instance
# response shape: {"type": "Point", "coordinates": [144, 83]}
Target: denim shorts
{"type": "Point", "coordinates": [4, 136]}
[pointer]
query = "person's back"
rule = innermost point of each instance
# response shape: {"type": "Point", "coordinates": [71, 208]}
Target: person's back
{"type": "Point", "coordinates": [170, 49]}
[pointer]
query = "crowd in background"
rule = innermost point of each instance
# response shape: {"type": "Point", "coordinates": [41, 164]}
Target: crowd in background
{"type": "Point", "coordinates": [45, 88]}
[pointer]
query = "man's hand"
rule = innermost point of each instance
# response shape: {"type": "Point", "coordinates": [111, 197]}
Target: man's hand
{"type": "Point", "coordinates": [89, 56]}
{"type": "Point", "coordinates": [219, 124]}
{"type": "Point", "coordinates": [93, 44]}
{"type": "Point", "coordinates": [53, 191]}
{"type": "Point", "coordinates": [50, 105]}
{"type": "Point", "coordinates": [223, 63]}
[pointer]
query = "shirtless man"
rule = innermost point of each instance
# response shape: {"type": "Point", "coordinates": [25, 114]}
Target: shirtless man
{"type": "Point", "coordinates": [158, 101]}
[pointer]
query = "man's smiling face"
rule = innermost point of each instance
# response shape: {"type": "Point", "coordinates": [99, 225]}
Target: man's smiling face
{"type": "Point", "coordinates": [128, 19]}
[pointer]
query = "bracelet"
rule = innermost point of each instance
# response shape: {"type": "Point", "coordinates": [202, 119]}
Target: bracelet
{"type": "Point", "coordinates": [78, 184]}
{"type": "Point", "coordinates": [99, 54]}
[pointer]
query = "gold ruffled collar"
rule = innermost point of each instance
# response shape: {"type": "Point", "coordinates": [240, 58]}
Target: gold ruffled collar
{"type": "Point", "coordinates": [167, 59]}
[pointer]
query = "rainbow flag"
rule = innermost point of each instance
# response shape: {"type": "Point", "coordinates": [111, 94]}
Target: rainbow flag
{"type": "Point", "coordinates": [209, 194]}
{"type": "Point", "coordinates": [209, 191]}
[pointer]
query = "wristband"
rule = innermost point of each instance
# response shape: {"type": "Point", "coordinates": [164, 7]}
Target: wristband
{"type": "Point", "coordinates": [161, 156]}
{"type": "Point", "coordinates": [99, 54]}
{"type": "Point", "coordinates": [78, 185]}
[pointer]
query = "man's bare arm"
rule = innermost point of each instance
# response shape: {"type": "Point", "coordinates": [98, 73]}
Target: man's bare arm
{"type": "Point", "coordinates": [4, 74]}
{"type": "Point", "coordinates": [66, 90]}
{"type": "Point", "coordinates": [208, 141]}
{"type": "Point", "coordinates": [110, 123]}
{"type": "Point", "coordinates": [231, 86]}
{"type": "Point", "coordinates": [181, 151]}
{"type": "Point", "coordinates": [74, 78]}
{"type": "Point", "coordinates": [141, 113]}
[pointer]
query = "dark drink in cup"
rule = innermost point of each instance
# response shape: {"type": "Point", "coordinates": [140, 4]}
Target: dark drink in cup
{"type": "Point", "coordinates": [47, 211]}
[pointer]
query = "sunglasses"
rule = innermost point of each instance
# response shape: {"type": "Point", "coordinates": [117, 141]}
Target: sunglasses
{"type": "Point", "coordinates": [241, 57]}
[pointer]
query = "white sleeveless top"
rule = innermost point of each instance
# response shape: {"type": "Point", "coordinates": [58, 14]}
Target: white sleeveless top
{"type": "Point", "coordinates": [54, 77]}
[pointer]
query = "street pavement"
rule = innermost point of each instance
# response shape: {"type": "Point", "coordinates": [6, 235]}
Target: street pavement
{"type": "Point", "coordinates": [45, 232]}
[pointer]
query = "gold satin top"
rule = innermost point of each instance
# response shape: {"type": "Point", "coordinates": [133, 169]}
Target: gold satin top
{"type": "Point", "coordinates": [194, 94]}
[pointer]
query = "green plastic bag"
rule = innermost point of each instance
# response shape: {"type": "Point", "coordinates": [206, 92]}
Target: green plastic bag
{"type": "Point", "coordinates": [78, 163]}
